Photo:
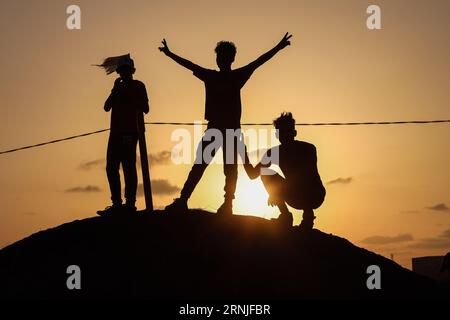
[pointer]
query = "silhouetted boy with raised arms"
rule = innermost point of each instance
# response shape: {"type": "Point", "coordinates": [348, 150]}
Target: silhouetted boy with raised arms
{"type": "Point", "coordinates": [222, 110]}
{"type": "Point", "coordinates": [301, 186]}
{"type": "Point", "coordinates": [128, 101]}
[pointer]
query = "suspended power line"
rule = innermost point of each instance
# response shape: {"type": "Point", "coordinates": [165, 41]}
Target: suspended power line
{"type": "Point", "coordinates": [313, 123]}
{"type": "Point", "coordinates": [243, 124]}
{"type": "Point", "coordinates": [53, 141]}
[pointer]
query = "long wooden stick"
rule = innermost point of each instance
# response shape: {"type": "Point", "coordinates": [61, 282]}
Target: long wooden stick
{"type": "Point", "coordinates": [144, 165]}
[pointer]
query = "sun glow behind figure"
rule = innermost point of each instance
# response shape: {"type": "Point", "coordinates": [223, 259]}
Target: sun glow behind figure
{"type": "Point", "coordinates": [251, 198]}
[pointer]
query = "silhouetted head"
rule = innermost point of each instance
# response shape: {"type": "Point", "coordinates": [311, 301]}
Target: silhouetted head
{"type": "Point", "coordinates": [285, 125]}
{"type": "Point", "coordinates": [226, 52]}
{"type": "Point", "coordinates": [126, 68]}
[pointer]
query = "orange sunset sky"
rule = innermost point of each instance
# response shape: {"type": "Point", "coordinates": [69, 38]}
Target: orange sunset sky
{"type": "Point", "coordinates": [397, 200]}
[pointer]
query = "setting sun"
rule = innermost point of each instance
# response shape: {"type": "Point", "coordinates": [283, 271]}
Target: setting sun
{"type": "Point", "coordinates": [251, 199]}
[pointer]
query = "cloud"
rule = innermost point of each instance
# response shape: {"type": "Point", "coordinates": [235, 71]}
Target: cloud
{"type": "Point", "coordinates": [159, 187]}
{"type": "Point", "coordinates": [446, 234]}
{"type": "Point", "coordinates": [86, 189]}
{"type": "Point", "coordinates": [440, 242]}
{"type": "Point", "coordinates": [441, 207]}
{"type": "Point", "coordinates": [432, 243]}
{"type": "Point", "coordinates": [160, 158]}
{"type": "Point", "coordinates": [99, 163]}
{"type": "Point", "coordinates": [387, 240]}
{"type": "Point", "coordinates": [341, 180]}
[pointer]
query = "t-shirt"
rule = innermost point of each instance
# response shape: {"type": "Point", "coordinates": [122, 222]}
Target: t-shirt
{"type": "Point", "coordinates": [298, 162]}
{"type": "Point", "coordinates": [128, 100]}
{"type": "Point", "coordinates": [223, 95]}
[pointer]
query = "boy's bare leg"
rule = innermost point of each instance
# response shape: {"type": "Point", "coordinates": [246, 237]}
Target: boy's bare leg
{"type": "Point", "coordinates": [231, 173]}
{"type": "Point", "coordinates": [274, 186]}
{"type": "Point", "coordinates": [113, 157]}
{"type": "Point", "coordinates": [194, 176]}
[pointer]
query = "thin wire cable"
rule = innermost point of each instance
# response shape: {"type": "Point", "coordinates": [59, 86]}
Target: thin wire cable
{"type": "Point", "coordinates": [243, 124]}
{"type": "Point", "coordinates": [53, 141]}
{"type": "Point", "coordinates": [312, 124]}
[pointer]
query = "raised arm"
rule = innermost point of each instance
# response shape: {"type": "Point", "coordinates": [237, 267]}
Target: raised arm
{"type": "Point", "coordinates": [181, 61]}
{"type": "Point", "coordinates": [269, 54]}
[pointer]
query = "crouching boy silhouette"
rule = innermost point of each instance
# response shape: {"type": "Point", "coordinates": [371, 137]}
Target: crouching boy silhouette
{"type": "Point", "coordinates": [301, 188]}
{"type": "Point", "coordinates": [128, 101]}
